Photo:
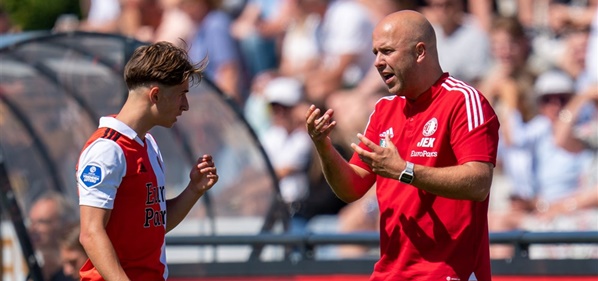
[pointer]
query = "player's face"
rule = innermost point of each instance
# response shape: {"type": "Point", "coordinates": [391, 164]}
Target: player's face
{"type": "Point", "coordinates": [394, 58]}
{"type": "Point", "coordinates": [172, 101]}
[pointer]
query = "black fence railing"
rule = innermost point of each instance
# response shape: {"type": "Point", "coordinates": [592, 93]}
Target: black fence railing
{"type": "Point", "coordinates": [520, 264]}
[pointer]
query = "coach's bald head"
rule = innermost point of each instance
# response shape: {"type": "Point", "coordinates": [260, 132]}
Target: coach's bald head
{"type": "Point", "coordinates": [414, 56]}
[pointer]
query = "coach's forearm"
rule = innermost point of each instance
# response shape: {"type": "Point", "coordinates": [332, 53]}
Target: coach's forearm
{"type": "Point", "coordinates": [470, 181]}
{"type": "Point", "coordinates": [348, 182]}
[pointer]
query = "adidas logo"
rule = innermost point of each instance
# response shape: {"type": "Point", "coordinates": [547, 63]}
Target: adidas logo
{"type": "Point", "coordinates": [388, 132]}
{"type": "Point", "coordinates": [141, 168]}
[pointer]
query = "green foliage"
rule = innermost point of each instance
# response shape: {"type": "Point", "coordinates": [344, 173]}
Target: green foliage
{"type": "Point", "coordinates": [38, 14]}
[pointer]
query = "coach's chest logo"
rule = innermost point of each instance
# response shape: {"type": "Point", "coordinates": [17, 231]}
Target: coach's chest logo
{"type": "Point", "coordinates": [429, 129]}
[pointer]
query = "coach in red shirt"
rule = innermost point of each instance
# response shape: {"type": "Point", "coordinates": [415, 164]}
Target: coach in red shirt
{"type": "Point", "coordinates": [431, 149]}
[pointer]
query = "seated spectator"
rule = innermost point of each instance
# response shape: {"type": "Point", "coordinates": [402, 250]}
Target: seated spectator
{"type": "Point", "coordinates": [555, 172]}
{"type": "Point", "coordinates": [49, 215]}
{"type": "Point", "coordinates": [154, 20]}
{"type": "Point", "coordinates": [287, 143]}
{"type": "Point", "coordinates": [463, 47]}
{"type": "Point", "coordinates": [100, 15]}
{"type": "Point", "coordinates": [508, 87]}
{"type": "Point", "coordinates": [258, 28]}
{"type": "Point", "coordinates": [344, 38]}
{"type": "Point", "coordinates": [212, 39]}
{"type": "Point", "coordinates": [72, 254]}
{"type": "Point", "coordinates": [550, 31]}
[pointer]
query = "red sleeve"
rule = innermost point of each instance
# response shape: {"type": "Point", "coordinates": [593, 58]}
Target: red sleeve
{"type": "Point", "coordinates": [474, 136]}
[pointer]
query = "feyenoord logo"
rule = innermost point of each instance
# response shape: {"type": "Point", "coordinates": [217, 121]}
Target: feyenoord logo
{"type": "Point", "coordinates": [430, 127]}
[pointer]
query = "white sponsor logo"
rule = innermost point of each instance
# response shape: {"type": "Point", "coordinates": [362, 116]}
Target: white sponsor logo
{"type": "Point", "coordinates": [426, 142]}
{"type": "Point", "coordinates": [424, 153]}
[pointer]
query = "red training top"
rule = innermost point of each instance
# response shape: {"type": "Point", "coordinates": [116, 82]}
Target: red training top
{"type": "Point", "coordinates": [424, 236]}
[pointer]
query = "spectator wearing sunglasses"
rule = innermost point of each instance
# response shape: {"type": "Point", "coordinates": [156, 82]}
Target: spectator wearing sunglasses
{"type": "Point", "coordinates": [555, 173]}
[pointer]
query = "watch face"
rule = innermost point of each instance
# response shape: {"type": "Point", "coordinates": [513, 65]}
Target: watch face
{"type": "Point", "coordinates": [406, 178]}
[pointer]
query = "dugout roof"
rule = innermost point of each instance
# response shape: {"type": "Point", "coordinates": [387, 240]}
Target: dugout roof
{"type": "Point", "coordinates": [54, 88]}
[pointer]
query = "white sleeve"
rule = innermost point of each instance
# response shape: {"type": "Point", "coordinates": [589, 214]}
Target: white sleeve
{"type": "Point", "coordinates": [102, 166]}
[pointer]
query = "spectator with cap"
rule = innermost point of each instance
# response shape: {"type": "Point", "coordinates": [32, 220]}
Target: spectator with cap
{"type": "Point", "coordinates": [556, 172]}
{"type": "Point", "coordinates": [287, 143]}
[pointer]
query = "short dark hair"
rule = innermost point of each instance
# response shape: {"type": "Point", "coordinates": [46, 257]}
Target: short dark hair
{"type": "Point", "coordinates": [162, 63]}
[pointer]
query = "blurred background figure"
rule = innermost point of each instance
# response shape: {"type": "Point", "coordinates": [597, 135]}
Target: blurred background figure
{"type": "Point", "coordinates": [550, 182]}
{"type": "Point", "coordinates": [72, 254]}
{"type": "Point", "coordinates": [287, 144]}
{"type": "Point", "coordinates": [5, 22]}
{"type": "Point", "coordinates": [343, 38]}
{"type": "Point", "coordinates": [100, 15]}
{"type": "Point", "coordinates": [550, 22]}
{"type": "Point", "coordinates": [50, 214]}
{"type": "Point", "coordinates": [258, 29]}
{"type": "Point", "coordinates": [212, 38]}
{"type": "Point", "coordinates": [155, 20]}
{"type": "Point", "coordinates": [463, 46]}
{"type": "Point", "coordinates": [508, 85]}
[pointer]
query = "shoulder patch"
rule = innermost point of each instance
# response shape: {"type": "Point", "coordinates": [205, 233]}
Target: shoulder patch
{"type": "Point", "coordinates": [91, 175]}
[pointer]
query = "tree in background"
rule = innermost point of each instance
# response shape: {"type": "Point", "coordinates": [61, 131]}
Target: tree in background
{"type": "Point", "coordinates": [38, 14]}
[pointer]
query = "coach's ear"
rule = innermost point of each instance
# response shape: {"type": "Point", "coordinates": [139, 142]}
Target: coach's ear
{"type": "Point", "coordinates": [153, 93]}
{"type": "Point", "coordinates": [420, 51]}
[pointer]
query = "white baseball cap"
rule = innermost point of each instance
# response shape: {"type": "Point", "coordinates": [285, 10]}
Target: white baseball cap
{"type": "Point", "coordinates": [284, 90]}
{"type": "Point", "coordinates": [554, 82]}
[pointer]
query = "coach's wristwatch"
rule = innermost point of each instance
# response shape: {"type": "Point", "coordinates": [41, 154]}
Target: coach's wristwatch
{"type": "Point", "coordinates": [407, 174]}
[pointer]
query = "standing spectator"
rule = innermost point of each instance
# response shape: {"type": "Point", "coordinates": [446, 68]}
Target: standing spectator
{"type": "Point", "coordinates": [432, 185]}
{"type": "Point", "coordinates": [72, 254]}
{"type": "Point", "coordinates": [49, 215]}
{"type": "Point", "coordinates": [120, 174]}
{"type": "Point", "coordinates": [213, 39]}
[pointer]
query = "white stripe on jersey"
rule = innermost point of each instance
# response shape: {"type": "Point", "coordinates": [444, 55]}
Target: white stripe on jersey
{"type": "Point", "coordinates": [371, 114]}
{"type": "Point", "coordinates": [473, 105]}
{"type": "Point", "coordinates": [475, 94]}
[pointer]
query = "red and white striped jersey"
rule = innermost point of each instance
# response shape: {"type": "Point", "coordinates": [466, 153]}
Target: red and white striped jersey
{"type": "Point", "coordinates": [117, 170]}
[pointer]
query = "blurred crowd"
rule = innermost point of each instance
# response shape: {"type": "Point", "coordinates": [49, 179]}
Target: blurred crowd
{"type": "Point", "coordinates": [535, 60]}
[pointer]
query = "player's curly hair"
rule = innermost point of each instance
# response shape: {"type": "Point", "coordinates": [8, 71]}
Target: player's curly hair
{"type": "Point", "coordinates": [162, 63]}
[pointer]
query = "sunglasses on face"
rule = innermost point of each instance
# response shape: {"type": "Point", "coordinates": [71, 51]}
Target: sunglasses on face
{"type": "Point", "coordinates": [555, 98]}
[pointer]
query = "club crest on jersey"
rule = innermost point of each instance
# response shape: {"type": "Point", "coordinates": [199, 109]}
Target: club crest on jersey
{"type": "Point", "coordinates": [430, 127]}
{"type": "Point", "coordinates": [91, 175]}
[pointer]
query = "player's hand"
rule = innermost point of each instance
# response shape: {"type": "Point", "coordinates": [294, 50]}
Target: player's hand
{"type": "Point", "coordinates": [204, 175]}
{"type": "Point", "coordinates": [384, 161]}
{"type": "Point", "coordinates": [319, 127]}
